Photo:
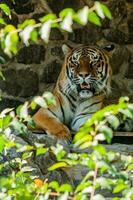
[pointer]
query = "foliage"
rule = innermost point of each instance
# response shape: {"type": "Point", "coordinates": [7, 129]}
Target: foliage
{"type": "Point", "coordinates": [29, 30]}
{"type": "Point", "coordinates": [102, 173]}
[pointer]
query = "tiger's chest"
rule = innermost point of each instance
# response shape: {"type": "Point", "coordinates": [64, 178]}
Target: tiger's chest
{"type": "Point", "coordinates": [83, 112]}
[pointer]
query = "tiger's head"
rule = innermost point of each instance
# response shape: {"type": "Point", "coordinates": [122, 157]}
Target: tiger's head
{"type": "Point", "coordinates": [87, 70]}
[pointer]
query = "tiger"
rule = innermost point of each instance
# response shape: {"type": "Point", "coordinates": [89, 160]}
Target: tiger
{"type": "Point", "coordinates": [80, 90]}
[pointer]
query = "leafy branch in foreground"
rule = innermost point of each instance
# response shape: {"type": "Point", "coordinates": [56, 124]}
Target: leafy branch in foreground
{"type": "Point", "coordinates": [30, 30]}
{"type": "Point", "coordinates": [105, 170]}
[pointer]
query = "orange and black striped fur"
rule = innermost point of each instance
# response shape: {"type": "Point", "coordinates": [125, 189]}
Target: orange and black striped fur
{"type": "Point", "coordinates": [80, 91]}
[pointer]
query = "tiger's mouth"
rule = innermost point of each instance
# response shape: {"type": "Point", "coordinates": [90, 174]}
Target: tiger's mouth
{"type": "Point", "coordinates": [85, 90]}
{"type": "Point", "coordinates": [85, 86]}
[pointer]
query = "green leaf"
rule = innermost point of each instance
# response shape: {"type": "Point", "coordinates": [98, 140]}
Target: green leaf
{"type": "Point", "coordinates": [126, 113]}
{"type": "Point", "coordinates": [113, 121]}
{"type": "Point", "coordinates": [119, 187]}
{"type": "Point", "coordinates": [11, 40]}
{"type": "Point", "coordinates": [26, 23]}
{"type": "Point", "coordinates": [33, 105]}
{"type": "Point", "coordinates": [65, 187]}
{"type": "Point", "coordinates": [86, 145]}
{"type": "Point", "coordinates": [3, 142]}
{"type": "Point", "coordinates": [99, 9]}
{"type": "Point", "coordinates": [107, 132]}
{"type": "Point", "coordinates": [82, 16]}
{"type": "Point", "coordinates": [91, 164]}
{"type": "Point", "coordinates": [49, 98]}
{"type": "Point", "coordinates": [65, 12]}
{"type": "Point", "coordinates": [106, 11]}
{"type": "Point", "coordinates": [86, 138]}
{"type": "Point", "coordinates": [45, 30]}
{"type": "Point", "coordinates": [48, 17]}
{"type": "Point", "coordinates": [57, 165]}
{"type": "Point", "coordinates": [54, 185]}
{"type": "Point", "coordinates": [82, 186]}
{"type": "Point", "coordinates": [100, 149]}
{"type": "Point", "coordinates": [98, 197]}
{"type": "Point", "coordinates": [94, 18]}
{"type": "Point", "coordinates": [41, 151]}
{"type": "Point", "coordinates": [130, 167]}
{"type": "Point", "coordinates": [64, 196]}
{"type": "Point", "coordinates": [67, 22]}
{"type": "Point", "coordinates": [1, 74]}
{"type": "Point", "coordinates": [40, 101]}
{"type": "Point", "coordinates": [5, 9]}
{"type": "Point", "coordinates": [23, 112]}
{"type": "Point", "coordinates": [26, 34]}
{"type": "Point", "coordinates": [2, 21]}
{"type": "Point", "coordinates": [34, 35]}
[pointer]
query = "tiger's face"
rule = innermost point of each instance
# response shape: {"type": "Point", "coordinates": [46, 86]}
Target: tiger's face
{"type": "Point", "coordinates": [89, 70]}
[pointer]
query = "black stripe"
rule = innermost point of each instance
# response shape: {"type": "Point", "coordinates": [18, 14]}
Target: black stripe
{"type": "Point", "coordinates": [68, 72]}
{"type": "Point", "coordinates": [62, 110]}
{"type": "Point", "coordinates": [92, 104]}
{"type": "Point", "coordinates": [71, 102]}
{"type": "Point", "coordinates": [106, 69]}
{"type": "Point", "coordinates": [73, 98]}
{"type": "Point", "coordinates": [81, 116]}
{"type": "Point", "coordinates": [52, 112]}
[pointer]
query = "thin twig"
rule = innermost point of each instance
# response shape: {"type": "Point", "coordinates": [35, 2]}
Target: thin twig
{"type": "Point", "coordinates": [94, 182]}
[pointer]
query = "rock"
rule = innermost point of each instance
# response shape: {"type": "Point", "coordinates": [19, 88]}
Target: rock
{"type": "Point", "coordinates": [119, 56]}
{"type": "Point", "coordinates": [23, 7]}
{"type": "Point", "coordinates": [56, 34]}
{"type": "Point", "coordinates": [130, 21]}
{"type": "Point", "coordinates": [64, 4]}
{"type": "Point", "coordinates": [57, 51]}
{"type": "Point", "coordinates": [12, 20]}
{"type": "Point", "coordinates": [51, 72]}
{"type": "Point", "coordinates": [115, 35]}
{"type": "Point", "coordinates": [32, 54]}
{"type": "Point", "coordinates": [117, 8]}
{"type": "Point", "coordinates": [129, 72]}
{"type": "Point", "coordinates": [23, 82]}
{"type": "Point", "coordinates": [9, 103]}
{"type": "Point", "coordinates": [10, 85]}
{"type": "Point", "coordinates": [28, 81]}
{"type": "Point", "coordinates": [88, 35]}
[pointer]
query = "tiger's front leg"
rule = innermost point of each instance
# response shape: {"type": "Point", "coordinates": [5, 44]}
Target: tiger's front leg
{"type": "Point", "coordinates": [44, 120]}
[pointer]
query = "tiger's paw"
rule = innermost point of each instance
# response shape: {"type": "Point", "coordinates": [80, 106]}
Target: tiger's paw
{"type": "Point", "coordinates": [63, 134]}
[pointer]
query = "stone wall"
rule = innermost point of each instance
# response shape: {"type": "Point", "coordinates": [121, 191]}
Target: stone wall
{"type": "Point", "coordinates": [35, 68]}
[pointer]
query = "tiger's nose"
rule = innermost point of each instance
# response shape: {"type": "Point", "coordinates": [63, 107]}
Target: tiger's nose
{"type": "Point", "coordinates": [83, 74]}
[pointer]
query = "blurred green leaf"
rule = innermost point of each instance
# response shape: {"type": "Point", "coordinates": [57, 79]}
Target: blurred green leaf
{"type": "Point", "coordinates": [27, 22]}
{"type": "Point", "coordinates": [66, 12]}
{"type": "Point", "coordinates": [94, 18]}
{"type": "Point", "coordinates": [106, 11]}
{"type": "Point", "coordinates": [54, 185]}
{"type": "Point", "coordinates": [107, 132]}
{"type": "Point", "coordinates": [99, 9]}
{"type": "Point", "coordinates": [113, 121]}
{"type": "Point", "coordinates": [67, 22]}
{"type": "Point", "coordinates": [57, 165]}
{"type": "Point", "coordinates": [45, 30]}
{"type": "Point", "coordinates": [41, 151]}
{"type": "Point", "coordinates": [5, 9]}
{"type": "Point", "coordinates": [65, 187]}
{"type": "Point", "coordinates": [119, 187]}
{"type": "Point", "coordinates": [50, 16]}
{"type": "Point", "coordinates": [2, 21]}
{"type": "Point", "coordinates": [82, 16]}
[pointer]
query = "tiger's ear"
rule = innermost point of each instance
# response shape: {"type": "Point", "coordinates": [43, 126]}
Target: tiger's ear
{"type": "Point", "coordinates": [66, 48]}
{"type": "Point", "coordinates": [109, 47]}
